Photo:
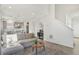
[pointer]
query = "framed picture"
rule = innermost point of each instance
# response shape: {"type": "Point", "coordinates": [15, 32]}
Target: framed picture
{"type": "Point", "coordinates": [18, 25]}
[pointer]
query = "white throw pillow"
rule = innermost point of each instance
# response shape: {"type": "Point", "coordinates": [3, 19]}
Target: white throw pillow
{"type": "Point", "coordinates": [11, 39]}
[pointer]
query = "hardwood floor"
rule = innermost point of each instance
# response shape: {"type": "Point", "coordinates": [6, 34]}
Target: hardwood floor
{"type": "Point", "coordinates": [51, 49]}
{"type": "Point", "coordinates": [76, 47]}
{"type": "Point", "coordinates": [67, 50]}
{"type": "Point", "coordinates": [59, 49]}
{"type": "Point", "coordinates": [55, 49]}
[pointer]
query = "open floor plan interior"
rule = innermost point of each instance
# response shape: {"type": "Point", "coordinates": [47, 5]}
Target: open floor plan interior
{"type": "Point", "coordinates": [39, 29]}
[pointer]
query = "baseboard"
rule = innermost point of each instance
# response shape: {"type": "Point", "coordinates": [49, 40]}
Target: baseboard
{"type": "Point", "coordinates": [58, 44]}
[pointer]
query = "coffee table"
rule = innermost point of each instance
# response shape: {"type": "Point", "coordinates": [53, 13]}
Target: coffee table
{"type": "Point", "coordinates": [38, 44]}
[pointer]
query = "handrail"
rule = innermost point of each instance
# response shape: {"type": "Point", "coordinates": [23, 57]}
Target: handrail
{"type": "Point", "coordinates": [65, 25]}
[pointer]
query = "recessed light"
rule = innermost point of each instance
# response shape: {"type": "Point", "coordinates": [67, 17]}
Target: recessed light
{"type": "Point", "coordinates": [10, 7]}
{"type": "Point", "coordinates": [33, 14]}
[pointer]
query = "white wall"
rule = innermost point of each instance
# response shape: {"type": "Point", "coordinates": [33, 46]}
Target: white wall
{"type": "Point", "coordinates": [75, 26]}
{"type": "Point", "coordinates": [66, 13]}
{"type": "Point", "coordinates": [72, 21]}
{"type": "Point", "coordinates": [64, 9]}
{"type": "Point", "coordinates": [0, 36]}
{"type": "Point", "coordinates": [0, 29]}
{"type": "Point", "coordinates": [60, 33]}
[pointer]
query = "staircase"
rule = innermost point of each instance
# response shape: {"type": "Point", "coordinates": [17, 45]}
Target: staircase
{"type": "Point", "coordinates": [59, 33]}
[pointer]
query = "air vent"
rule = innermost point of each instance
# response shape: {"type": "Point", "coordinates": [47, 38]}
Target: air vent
{"type": "Point", "coordinates": [50, 36]}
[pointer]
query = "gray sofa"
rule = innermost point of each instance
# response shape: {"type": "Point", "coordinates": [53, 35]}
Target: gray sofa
{"type": "Point", "coordinates": [23, 42]}
{"type": "Point", "coordinates": [27, 42]}
{"type": "Point", "coordinates": [25, 39]}
{"type": "Point", "coordinates": [13, 50]}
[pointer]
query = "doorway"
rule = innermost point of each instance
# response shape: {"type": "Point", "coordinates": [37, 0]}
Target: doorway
{"type": "Point", "coordinates": [75, 26]}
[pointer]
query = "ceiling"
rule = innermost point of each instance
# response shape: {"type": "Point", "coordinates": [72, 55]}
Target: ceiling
{"type": "Point", "coordinates": [25, 11]}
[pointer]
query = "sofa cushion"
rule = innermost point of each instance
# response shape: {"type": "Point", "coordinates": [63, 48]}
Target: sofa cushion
{"type": "Point", "coordinates": [27, 42]}
{"type": "Point", "coordinates": [29, 35]}
{"type": "Point", "coordinates": [21, 36]}
{"type": "Point", "coordinates": [13, 50]}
